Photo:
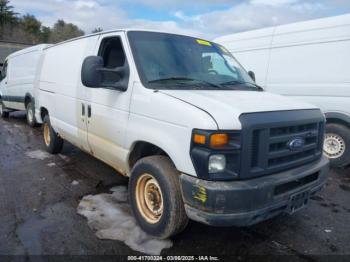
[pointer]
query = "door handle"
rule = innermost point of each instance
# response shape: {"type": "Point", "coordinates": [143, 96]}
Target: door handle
{"type": "Point", "coordinates": [82, 109]}
{"type": "Point", "coordinates": [89, 111]}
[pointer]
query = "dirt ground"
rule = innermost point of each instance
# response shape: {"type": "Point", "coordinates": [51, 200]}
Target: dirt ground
{"type": "Point", "coordinates": [39, 197]}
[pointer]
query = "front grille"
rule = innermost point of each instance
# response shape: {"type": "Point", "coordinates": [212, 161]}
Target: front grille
{"type": "Point", "coordinates": [280, 154]}
{"type": "Point", "coordinates": [266, 138]}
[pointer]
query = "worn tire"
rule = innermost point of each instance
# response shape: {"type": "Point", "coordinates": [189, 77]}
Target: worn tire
{"type": "Point", "coordinates": [3, 114]}
{"type": "Point", "coordinates": [344, 133]}
{"type": "Point", "coordinates": [53, 143]}
{"type": "Point", "coordinates": [173, 218]}
{"type": "Point", "coordinates": [31, 121]}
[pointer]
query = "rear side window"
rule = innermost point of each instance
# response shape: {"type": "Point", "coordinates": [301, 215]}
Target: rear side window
{"type": "Point", "coordinates": [112, 52]}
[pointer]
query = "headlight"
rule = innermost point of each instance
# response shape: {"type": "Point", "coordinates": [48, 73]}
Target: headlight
{"type": "Point", "coordinates": [215, 154]}
{"type": "Point", "coordinates": [217, 163]}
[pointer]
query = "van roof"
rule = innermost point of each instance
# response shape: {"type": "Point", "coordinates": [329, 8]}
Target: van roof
{"type": "Point", "coordinates": [327, 22]}
{"type": "Point", "coordinates": [28, 50]}
{"type": "Point", "coordinates": [122, 30]}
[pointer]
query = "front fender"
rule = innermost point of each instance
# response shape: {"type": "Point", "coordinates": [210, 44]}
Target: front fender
{"type": "Point", "coordinates": [172, 139]}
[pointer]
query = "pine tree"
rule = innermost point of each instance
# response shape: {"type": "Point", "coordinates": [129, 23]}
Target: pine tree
{"type": "Point", "coordinates": [7, 15]}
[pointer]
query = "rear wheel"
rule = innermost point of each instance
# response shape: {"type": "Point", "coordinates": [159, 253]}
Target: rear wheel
{"type": "Point", "coordinates": [337, 144]}
{"type": "Point", "coordinates": [155, 196]}
{"type": "Point", "coordinates": [31, 114]}
{"type": "Point", "coordinates": [3, 113]}
{"type": "Point", "coordinates": [52, 141]}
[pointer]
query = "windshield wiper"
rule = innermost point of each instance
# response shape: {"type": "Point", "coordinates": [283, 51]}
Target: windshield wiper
{"type": "Point", "coordinates": [235, 82]}
{"type": "Point", "coordinates": [185, 79]}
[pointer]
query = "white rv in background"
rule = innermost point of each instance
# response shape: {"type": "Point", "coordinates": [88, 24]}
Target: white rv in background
{"type": "Point", "coordinates": [309, 61]}
{"type": "Point", "coordinates": [17, 82]}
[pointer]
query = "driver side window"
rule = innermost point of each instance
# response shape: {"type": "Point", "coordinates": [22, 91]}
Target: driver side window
{"type": "Point", "coordinates": [113, 54]}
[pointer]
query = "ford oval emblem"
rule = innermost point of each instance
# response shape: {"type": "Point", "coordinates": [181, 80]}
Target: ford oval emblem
{"type": "Point", "coordinates": [296, 144]}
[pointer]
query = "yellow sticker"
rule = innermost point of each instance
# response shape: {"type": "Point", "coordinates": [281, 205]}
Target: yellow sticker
{"type": "Point", "coordinates": [203, 42]}
{"type": "Point", "coordinates": [199, 193]}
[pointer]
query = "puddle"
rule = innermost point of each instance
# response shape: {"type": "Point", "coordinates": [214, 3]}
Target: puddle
{"type": "Point", "coordinates": [110, 216]}
{"type": "Point", "coordinates": [38, 154]}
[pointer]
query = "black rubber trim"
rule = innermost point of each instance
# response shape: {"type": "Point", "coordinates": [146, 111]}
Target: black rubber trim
{"type": "Point", "coordinates": [19, 99]}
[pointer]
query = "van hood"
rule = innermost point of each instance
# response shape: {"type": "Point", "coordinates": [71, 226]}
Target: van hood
{"type": "Point", "coordinates": [226, 106]}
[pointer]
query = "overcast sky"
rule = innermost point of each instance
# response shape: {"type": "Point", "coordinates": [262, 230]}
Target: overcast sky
{"type": "Point", "coordinates": [199, 17]}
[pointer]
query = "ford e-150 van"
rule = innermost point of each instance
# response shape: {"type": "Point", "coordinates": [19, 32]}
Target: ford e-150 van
{"type": "Point", "coordinates": [17, 85]}
{"type": "Point", "coordinates": [186, 123]}
{"type": "Point", "coordinates": [307, 61]}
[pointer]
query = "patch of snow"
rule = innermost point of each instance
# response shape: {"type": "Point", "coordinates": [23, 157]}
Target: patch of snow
{"type": "Point", "coordinates": [38, 154]}
{"type": "Point", "coordinates": [51, 164]}
{"type": "Point", "coordinates": [110, 216]}
{"type": "Point", "coordinates": [75, 183]}
{"type": "Point", "coordinates": [328, 230]}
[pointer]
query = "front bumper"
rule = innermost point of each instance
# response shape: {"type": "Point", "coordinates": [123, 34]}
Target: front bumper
{"type": "Point", "coordinates": [247, 202]}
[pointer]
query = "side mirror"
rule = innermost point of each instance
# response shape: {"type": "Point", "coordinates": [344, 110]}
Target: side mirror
{"type": "Point", "coordinates": [90, 75]}
{"type": "Point", "coordinates": [94, 75]}
{"type": "Point", "coordinates": [252, 75]}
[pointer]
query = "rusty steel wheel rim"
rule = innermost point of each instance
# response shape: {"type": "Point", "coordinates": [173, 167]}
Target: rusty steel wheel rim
{"type": "Point", "coordinates": [149, 198]}
{"type": "Point", "coordinates": [47, 137]}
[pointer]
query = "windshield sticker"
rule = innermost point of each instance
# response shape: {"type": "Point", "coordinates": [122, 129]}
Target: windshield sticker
{"type": "Point", "coordinates": [203, 42]}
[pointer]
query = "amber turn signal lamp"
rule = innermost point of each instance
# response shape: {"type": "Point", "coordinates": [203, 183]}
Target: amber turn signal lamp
{"type": "Point", "coordinates": [218, 140]}
{"type": "Point", "coordinates": [199, 139]}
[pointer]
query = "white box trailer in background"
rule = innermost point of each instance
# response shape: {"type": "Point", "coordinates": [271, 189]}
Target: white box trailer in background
{"type": "Point", "coordinates": [309, 61]}
{"type": "Point", "coordinates": [17, 84]}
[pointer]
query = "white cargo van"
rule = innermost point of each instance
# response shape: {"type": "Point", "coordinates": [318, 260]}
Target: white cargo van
{"type": "Point", "coordinates": [17, 85]}
{"type": "Point", "coordinates": [309, 61]}
{"type": "Point", "coordinates": [179, 116]}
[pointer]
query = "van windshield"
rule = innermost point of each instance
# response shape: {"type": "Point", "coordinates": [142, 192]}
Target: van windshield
{"type": "Point", "coordinates": [168, 61]}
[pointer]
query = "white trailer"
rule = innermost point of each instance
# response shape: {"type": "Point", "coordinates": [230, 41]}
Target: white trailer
{"type": "Point", "coordinates": [18, 80]}
{"type": "Point", "coordinates": [309, 61]}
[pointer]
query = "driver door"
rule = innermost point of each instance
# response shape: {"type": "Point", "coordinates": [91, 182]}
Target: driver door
{"type": "Point", "coordinates": [108, 108]}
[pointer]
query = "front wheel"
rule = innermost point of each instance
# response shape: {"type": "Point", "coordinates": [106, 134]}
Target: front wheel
{"type": "Point", "coordinates": [155, 197]}
{"type": "Point", "coordinates": [337, 144]}
{"type": "Point", "coordinates": [53, 142]}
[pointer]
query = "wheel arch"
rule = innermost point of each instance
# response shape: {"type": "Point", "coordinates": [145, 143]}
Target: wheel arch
{"type": "Point", "coordinates": [141, 149]}
{"type": "Point", "coordinates": [27, 99]}
{"type": "Point", "coordinates": [338, 118]}
{"type": "Point", "coordinates": [43, 112]}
